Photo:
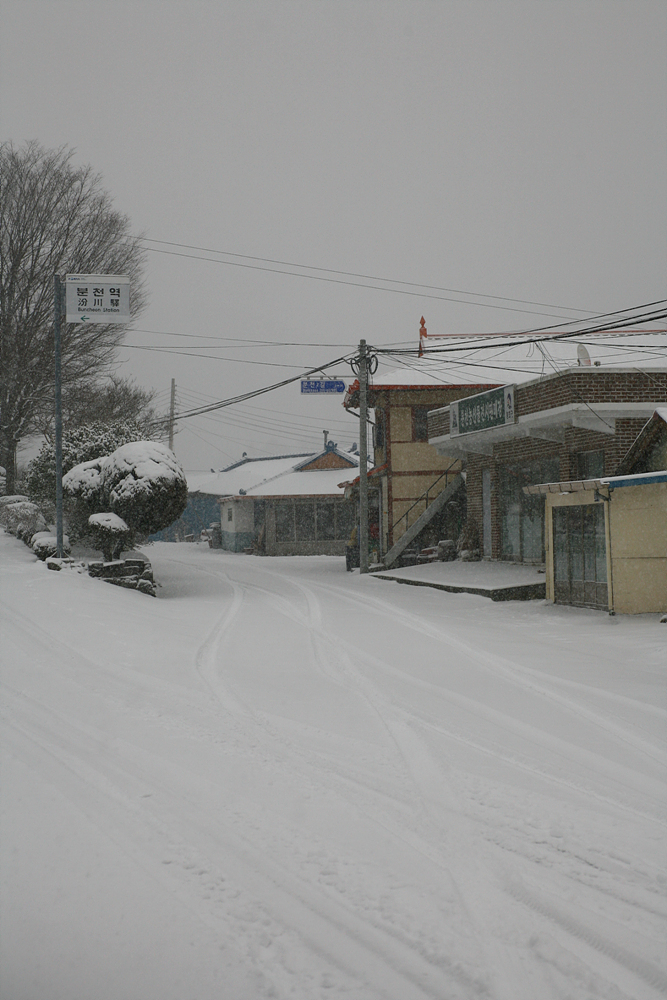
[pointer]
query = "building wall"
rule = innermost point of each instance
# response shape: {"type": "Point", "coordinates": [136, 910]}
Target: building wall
{"type": "Point", "coordinates": [237, 523]}
{"type": "Point", "coordinates": [638, 532]}
{"type": "Point", "coordinates": [277, 544]}
{"type": "Point", "coordinates": [413, 466]}
{"type": "Point", "coordinates": [575, 385]}
{"type": "Point", "coordinates": [636, 528]}
{"type": "Point", "coordinates": [518, 450]}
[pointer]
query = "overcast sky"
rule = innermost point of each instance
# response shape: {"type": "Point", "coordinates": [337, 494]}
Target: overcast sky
{"type": "Point", "coordinates": [511, 149]}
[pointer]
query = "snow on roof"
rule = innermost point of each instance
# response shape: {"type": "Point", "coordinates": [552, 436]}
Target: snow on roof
{"type": "Point", "coordinates": [244, 476]}
{"type": "Point", "coordinates": [252, 476]}
{"type": "Point", "coordinates": [613, 482]}
{"type": "Point", "coordinates": [318, 482]}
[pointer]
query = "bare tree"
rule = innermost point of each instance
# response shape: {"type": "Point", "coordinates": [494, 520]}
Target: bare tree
{"type": "Point", "coordinates": [54, 219]}
{"type": "Point", "coordinates": [113, 399]}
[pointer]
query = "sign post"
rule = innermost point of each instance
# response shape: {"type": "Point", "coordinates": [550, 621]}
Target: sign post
{"type": "Point", "coordinates": [89, 298]}
{"type": "Point", "coordinates": [363, 462]}
{"type": "Point", "coordinates": [57, 295]}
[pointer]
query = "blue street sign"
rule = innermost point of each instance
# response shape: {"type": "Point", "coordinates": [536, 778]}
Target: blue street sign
{"type": "Point", "coordinates": [322, 385]}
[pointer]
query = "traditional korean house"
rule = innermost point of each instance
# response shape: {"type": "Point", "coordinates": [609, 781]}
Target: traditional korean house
{"type": "Point", "coordinates": [301, 510]}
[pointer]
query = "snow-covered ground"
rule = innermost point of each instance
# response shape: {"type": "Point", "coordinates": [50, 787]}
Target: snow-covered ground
{"type": "Point", "coordinates": [281, 780]}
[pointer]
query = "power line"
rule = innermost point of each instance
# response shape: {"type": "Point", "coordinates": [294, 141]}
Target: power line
{"type": "Point", "coordinates": [240, 341]}
{"type": "Point", "coordinates": [543, 334]}
{"type": "Point", "coordinates": [357, 284]}
{"type": "Point", "coordinates": [258, 392]}
{"type": "Point", "coordinates": [208, 357]}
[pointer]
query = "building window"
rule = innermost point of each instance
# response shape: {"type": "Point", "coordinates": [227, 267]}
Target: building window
{"type": "Point", "coordinates": [379, 429]}
{"type": "Point", "coordinates": [521, 516]}
{"type": "Point", "coordinates": [285, 522]}
{"type": "Point", "coordinates": [305, 522]}
{"type": "Point", "coordinates": [419, 423]}
{"type": "Point", "coordinates": [590, 464]}
{"type": "Point", "coordinates": [230, 514]}
{"type": "Point", "coordinates": [326, 521]}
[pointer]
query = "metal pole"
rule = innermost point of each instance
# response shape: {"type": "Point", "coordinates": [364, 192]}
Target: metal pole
{"type": "Point", "coordinates": [363, 470]}
{"type": "Point", "coordinates": [172, 406]}
{"type": "Point", "coordinates": [58, 417]}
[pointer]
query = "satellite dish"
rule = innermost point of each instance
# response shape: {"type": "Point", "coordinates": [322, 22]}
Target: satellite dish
{"type": "Point", "coordinates": [583, 357]}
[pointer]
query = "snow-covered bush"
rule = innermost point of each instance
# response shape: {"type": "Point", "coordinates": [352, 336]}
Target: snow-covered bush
{"type": "Point", "coordinates": [144, 484]}
{"type": "Point", "coordinates": [141, 482]}
{"type": "Point", "coordinates": [109, 533]}
{"type": "Point", "coordinates": [45, 544]}
{"type": "Point", "coordinates": [82, 495]}
{"type": "Point", "coordinates": [20, 517]}
{"type": "Point", "coordinates": [83, 444]}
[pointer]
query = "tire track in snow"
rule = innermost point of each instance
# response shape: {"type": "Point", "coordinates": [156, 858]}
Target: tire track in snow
{"type": "Point", "coordinates": [524, 677]}
{"type": "Point", "coordinates": [206, 657]}
{"type": "Point", "coordinates": [438, 800]}
{"type": "Point", "coordinates": [650, 974]}
{"type": "Point", "coordinates": [332, 931]}
{"type": "Point", "coordinates": [631, 780]}
{"type": "Point", "coordinates": [427, 776]}
{"type": "Point", "coordinates": [502, 965]}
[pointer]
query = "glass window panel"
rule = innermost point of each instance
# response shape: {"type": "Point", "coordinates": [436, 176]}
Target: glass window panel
{"type": "Point", "coordinates": [510, 513]}
{"type": "Point", "coordinates": [600, 547]}
{"type": "Point", "coordinates": [561, 550]}
{"type": "Point", "coordinates": [420, 416]}
{"type": "Point", "coordinates": [576, 543]}
{"type": "Point", "coordinates": [325, 520]}
{"type": "Point", "coordinates": [588, 517]}
{"type": "Point", "coordinates": [285, 522]}
{"type": "Point", "coordinates": [590, 464]}
{"type": "Point", "coordinates": [305, 521]}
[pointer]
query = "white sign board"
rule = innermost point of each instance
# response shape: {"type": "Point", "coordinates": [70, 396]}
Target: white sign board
{"type": "Point", "coordinates": [97, 298]}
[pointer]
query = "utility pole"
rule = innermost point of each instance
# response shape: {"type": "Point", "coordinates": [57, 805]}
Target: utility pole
{"type": "Point", "coordinates": [363, 468]}
{"type": "Point", "coordinates": [58, 417]}
{"type": "Point", "coordinates": [172, 406]}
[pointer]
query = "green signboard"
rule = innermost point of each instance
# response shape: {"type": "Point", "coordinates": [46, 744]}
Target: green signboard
{"type": "Point", "coordinates": [478, 413]}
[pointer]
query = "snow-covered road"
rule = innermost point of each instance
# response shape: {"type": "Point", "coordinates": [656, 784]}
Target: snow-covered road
{"type": "Point", "coordinates": [281, 780]}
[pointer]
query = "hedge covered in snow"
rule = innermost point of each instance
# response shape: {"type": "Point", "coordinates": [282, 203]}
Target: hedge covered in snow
{"type": "Point", "coordinates": [142, 483]}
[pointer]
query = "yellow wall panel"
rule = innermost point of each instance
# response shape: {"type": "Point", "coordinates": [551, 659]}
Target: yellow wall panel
{"type": "Point", "coordinates": [640, 585]}
{"type": "Point", "coordinates": [418, 456]}
{"type": "Point", "coordinates": [400, 424]}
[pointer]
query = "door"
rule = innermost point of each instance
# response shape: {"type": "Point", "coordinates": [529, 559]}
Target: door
{"type": "Point", "coordinates": [580, 556]}
{"type": "Point", "coordinates": [486, 512]}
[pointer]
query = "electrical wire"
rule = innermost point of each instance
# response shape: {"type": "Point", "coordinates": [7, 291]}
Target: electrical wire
{"type": "Point", "coordinates": [357, 284]}
{"type": "Point", "coordinates": [258, 392]}
{"type": "Point", "coordinates": [208, 357]}
{"type": "Point", "coordinates": [240, 341]}
{"type": "Point", "coordinates": [353, 274]}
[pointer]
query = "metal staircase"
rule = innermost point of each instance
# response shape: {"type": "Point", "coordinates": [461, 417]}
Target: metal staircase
{"type": "Point", "coordinates": [411, 533]}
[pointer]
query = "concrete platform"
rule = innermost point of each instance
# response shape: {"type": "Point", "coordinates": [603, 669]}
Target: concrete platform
{"type": "Point", "coordinates": [499, 581]}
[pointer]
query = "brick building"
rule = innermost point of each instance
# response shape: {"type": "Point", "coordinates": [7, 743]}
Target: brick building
{"type": "Point", "coordinates": [408, 474]}
{"type": "Point", "coordinates": [576, 424]}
